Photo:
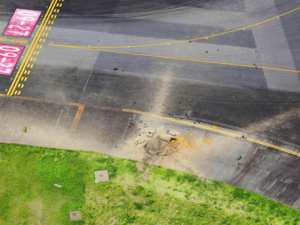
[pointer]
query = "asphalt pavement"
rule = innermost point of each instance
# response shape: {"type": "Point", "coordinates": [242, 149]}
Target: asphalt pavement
{"type": "Point", "coordinates": [230, 63]}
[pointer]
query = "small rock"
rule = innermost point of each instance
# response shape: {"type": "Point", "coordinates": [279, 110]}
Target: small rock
{"type": "Point", "coordinates": [239, 157]}
{"type": "Point", "coordinates": [116, 68]}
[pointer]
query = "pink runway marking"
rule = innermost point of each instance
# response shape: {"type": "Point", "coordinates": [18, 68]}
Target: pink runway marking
{"type": "Point", "coordinates": [9, 56]}
{"type": "Point", "coordinates": [22, 23]}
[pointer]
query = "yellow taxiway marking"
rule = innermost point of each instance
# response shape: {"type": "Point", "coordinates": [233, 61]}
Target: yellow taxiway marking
{"type": "Point", "coordinates": [177, 58]}
{"type": "Point", "coordinates": [212, 128]}
{"type": "Point", "coordinates": [13, 40]}
{"type": "Point", "coordinates": [32, 47]}
{"type": "Point", "coordinates": [204, 37]}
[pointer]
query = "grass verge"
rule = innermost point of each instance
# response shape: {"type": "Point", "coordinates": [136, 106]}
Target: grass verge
{"type": "Point", "coordinates": [28, 194]}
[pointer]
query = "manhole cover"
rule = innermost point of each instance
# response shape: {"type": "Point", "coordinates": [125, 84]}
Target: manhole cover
{"type": "Point", "coordinates": [75, 215]}
{"type": "Point", "coordinates": [101, 176]}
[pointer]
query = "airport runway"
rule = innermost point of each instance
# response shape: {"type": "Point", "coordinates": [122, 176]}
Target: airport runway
{"type": "Point", "coordinates": [230, 63]}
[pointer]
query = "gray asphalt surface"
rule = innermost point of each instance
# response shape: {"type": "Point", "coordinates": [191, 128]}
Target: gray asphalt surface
{"type": "Point", "coordinates": [261, 101]}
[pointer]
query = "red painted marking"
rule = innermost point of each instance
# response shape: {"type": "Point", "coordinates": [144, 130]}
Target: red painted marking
{"type": "Point", "coordinates": [9, 56]}
{"type": "Point", "coordinates": [22, 23]}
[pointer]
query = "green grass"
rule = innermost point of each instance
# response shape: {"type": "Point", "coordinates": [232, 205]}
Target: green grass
{"type": "Point", "coordinates": [28, 194]}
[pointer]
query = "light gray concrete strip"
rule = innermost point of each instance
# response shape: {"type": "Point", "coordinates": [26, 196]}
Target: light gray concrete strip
{"type": "Point", "coordinates": [273, 47]}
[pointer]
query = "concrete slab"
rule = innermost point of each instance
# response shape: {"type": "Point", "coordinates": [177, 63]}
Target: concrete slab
{"type": "Point", "coordinates": [75, 215]}
{"type": "Point", "coordinates": [101, 176]}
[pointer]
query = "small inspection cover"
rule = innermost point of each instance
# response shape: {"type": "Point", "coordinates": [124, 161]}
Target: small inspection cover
{"type": "Point", "coordinates": [101, 176]}
{"type": "Point", "coordinates": [75, 215]}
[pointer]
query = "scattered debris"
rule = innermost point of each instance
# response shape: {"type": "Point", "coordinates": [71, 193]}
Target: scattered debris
{"type": "Point", "coordinates": [168, 132]}
{"type": "Point", "coordinates": [116, 68]}
{"type": "Point", "coordinates": [57, 185]}
{"type": "Point", "coordinates": [139, 142]}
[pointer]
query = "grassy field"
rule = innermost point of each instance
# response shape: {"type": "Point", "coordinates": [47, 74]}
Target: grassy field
{"type": "Point", "coordinates": [162, 196]}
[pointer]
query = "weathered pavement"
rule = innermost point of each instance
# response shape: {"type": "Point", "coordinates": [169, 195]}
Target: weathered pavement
{"type": "Point", "coordinates": [244, 82]}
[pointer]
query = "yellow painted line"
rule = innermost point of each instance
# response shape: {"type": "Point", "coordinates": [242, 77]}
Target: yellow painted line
{"type": "Point", "coordinates": [77, 118]}
{"type": "Point", "coordinates": [22, 78]}
{"type": "Point", "coordinates": [25, 79]}
{"type": "Point", "coordinates": [13, 40]}
{"type": "Point", "coordinates": [177, 58]}
{"type": "Point", "coordinates": [31, 48]}
{"type": "Point", "coordinates": [204, 37]}
{"type": "Point", "coordinates": [29, 72]}
{"type": "Point", "coordinates": [19, 41]}
{"type": "Point", "coordinates": [19, 85]}
{"type": "Point", "coordinates": [212, 128]}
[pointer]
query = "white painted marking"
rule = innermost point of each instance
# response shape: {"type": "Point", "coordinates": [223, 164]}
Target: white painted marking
{"type": "Point", "coordinates": [3, 59]}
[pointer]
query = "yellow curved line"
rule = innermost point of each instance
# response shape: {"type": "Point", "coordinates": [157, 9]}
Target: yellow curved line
{"type": "Point", "coordinates": [200, 38]}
